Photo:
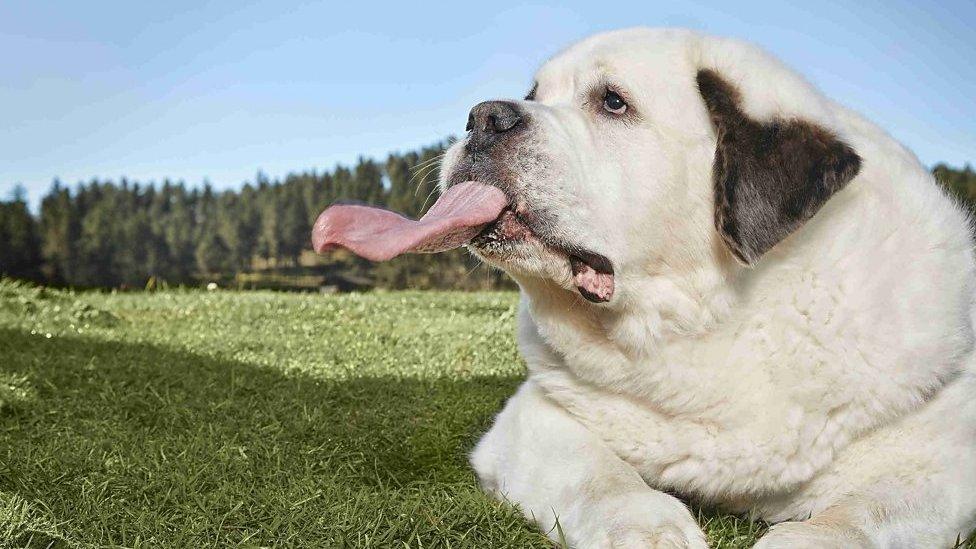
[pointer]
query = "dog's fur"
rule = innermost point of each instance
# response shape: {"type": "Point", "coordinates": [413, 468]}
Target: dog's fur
{"type": "Point", "coordinates": [791, 331]}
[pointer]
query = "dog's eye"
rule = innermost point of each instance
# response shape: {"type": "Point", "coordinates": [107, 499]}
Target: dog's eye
{"type": "Point", "coordinates": [612, 102]}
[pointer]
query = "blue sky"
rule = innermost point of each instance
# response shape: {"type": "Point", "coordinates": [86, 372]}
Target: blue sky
{"type": "Point", "coordinates": [219, 90]}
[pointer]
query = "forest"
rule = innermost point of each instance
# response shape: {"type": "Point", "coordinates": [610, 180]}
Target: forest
{"type": "Point", "coordinates": [126, 234]}
{"type": "Point", "coordinates": [131, 235]}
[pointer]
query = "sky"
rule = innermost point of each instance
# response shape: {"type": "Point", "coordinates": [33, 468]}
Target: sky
{"type": "Point", "coordinates": [220, 90]}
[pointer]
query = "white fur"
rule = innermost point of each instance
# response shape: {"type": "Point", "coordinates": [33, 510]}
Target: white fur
{"type": "Point", "coordinates": [834, 380]}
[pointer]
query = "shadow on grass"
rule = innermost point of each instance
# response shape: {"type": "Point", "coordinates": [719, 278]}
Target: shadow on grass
{"type": "Point", "coordinates": [140, 445]}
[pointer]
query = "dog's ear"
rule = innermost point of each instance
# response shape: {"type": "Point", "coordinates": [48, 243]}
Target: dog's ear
{"type": "Point", "coordinates": [769, 177]}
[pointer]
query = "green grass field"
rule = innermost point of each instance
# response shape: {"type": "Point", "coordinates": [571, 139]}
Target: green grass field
{"type": "Point", "coordinates": [195, 419]}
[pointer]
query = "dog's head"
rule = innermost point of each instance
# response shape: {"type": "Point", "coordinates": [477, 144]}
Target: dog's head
{"type": "Point", "coordinates": [647, 151]}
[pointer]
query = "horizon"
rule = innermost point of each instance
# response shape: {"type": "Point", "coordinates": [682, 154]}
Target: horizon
{"type": "Point", "coordinates": [223, 91]}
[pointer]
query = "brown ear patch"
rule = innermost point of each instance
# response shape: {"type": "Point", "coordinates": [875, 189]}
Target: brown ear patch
{"type": "Point", "coordinates": [769, 177]}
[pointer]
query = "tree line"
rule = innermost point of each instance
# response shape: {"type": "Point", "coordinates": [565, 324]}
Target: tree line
{"type": "Point", "coordinates": [126, 234]}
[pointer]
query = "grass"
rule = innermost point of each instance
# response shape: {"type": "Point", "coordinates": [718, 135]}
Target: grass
{"type": "Point", "coordinates": [214, 419]}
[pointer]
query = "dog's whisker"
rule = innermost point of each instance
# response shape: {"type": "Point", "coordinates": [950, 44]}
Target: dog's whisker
{"type": "Point", "coordinates": [432, 171]}
{"type": "Point", "coordinates": [426, 200]}
{"type": "Point", "coordinates": [426, 162]}
{"type": "Point", "coordinates": [425, 171]}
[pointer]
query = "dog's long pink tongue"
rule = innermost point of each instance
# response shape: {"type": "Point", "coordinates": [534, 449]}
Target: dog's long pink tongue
{"type": "Point", "coordinates": [377, 234]}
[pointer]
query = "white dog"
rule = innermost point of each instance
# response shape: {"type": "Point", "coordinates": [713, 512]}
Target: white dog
{"type": "Point", "coordinates": [733, 290]}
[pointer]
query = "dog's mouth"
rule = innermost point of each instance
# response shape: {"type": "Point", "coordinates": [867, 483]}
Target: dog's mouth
{"type": "Point", "coordinates": [592, 273]}
{"type": "Point", "coordinates": [467, 213]}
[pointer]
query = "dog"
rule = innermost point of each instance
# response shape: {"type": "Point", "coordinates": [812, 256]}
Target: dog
{"type": "Point", "coordinates": [734, 291]}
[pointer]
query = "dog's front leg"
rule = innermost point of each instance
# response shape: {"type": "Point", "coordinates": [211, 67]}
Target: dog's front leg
{"type": "Point", "coordinates": [540, 458]}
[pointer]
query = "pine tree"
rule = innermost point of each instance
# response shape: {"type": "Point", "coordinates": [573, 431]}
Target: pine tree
{"type": "Point", "coordinates": [59, 231]}
{"type": "Point", "coordinates": [212, 254]}
{"type": "Point", "coordinates": [294, 226]}
{"type": "Point", "coordinates": [179, 233]}
{"type": "Point", "coordinates": [368, 182]}
{"type": "Point", "coordinates": [269, 241]}
{"type": "Point", "coordinates": [20, 247]}
{"type": "Point", "coordinates": [249, 221]}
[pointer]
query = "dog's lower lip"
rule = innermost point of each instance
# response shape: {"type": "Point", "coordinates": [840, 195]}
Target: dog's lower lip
{"type": "Point", "coordinates": [493, 233]}
{"type": "Point", "coordinates": [508, 226]}
{"type": "Point", "coordinates": [598, 262]}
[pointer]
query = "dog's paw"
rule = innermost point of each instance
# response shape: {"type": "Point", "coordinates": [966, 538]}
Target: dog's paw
{"type": "Point", "coordinates": [664, 537]}
{"type": "Point", "coordinates": [644, 520]}
{"type": "Point", "coordinates": [806, 535]}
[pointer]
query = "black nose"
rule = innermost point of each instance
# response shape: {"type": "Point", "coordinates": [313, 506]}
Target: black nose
{"type": "Point", "coordinates": [493, 117]}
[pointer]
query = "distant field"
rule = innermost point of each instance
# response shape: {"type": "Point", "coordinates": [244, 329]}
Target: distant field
{"type": "Point", "coordinates": [193, 419]}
